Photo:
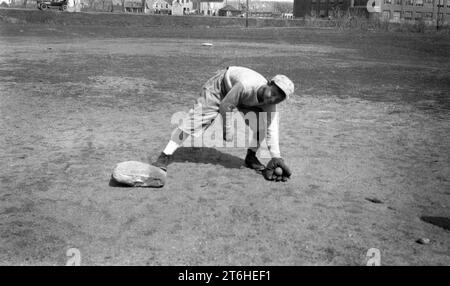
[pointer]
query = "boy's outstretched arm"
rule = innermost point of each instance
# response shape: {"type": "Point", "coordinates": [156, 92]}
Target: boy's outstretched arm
{"type": "Point", "coordinates": [272, 138]}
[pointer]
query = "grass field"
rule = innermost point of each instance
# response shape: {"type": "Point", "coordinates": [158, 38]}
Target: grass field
{"type": "Point", "coordinates": [369, 120]}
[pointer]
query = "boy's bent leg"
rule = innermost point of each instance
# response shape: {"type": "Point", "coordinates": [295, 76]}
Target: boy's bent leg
{"type": "Point", "coordinates": [177, 138]}
{"type": "Point", "coordinates": [203, 113]}
{"type": "Point", "coordinates": [251, 161]}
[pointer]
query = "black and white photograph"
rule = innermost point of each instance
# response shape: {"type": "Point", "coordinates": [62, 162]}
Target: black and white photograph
{"type": "Point", "coordinates": [226, 133]}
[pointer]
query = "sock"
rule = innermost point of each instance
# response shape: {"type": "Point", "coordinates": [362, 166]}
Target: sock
{"type": "Point", "coordinates": [177, 138]}
{"type": "Point", "coordinates": [171, 147]}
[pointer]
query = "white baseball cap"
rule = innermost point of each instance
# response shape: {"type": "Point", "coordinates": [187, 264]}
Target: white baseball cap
{"type": "Point", "coordinates": [284, 83]}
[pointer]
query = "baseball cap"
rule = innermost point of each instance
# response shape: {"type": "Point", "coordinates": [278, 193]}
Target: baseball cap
{"type": "Point", "coordinates": [284, 83]}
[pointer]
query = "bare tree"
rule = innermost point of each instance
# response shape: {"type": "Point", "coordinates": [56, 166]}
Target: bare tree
{"type": "Point", "coordinates": [91, 3]}
{"type": "Point", "coordinates": [283, 7]}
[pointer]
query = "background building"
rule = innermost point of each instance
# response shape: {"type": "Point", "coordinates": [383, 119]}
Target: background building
{"type": "Point", "coordinates": [210, 7]}
{"type": "Point", "coordinates": [229, 11]}
{"type": "Point", "coordinates": [181, 7]}
{"type": "Point", "coordinates": [390, 10]}
{"type": "Point", "coordinates": [408, 10]}
{"type": "Point", "coordinates": [319, 8]}
{"type": "Point", "coordinates": [162, 7]}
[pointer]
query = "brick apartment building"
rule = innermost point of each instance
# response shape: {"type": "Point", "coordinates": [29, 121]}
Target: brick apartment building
{"type": "Point", "coordinates": [391, 10]}
{"type": "Point", "coordinates": [318, 8]}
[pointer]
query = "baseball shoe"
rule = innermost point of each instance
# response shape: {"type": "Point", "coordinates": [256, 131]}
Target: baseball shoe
{"type": "Point", "coordinates": [162, 162]}
{"type": "Point", "coordinates": [252, 162]}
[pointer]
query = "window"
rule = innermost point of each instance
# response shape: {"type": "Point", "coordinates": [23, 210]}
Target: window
{"type": "Point", "coordinates": [398, 2]}
{"type": "Point", "coordinates": [440, 3]}
{"type": "Point", "coordinates": [322, 13]}
{"type": "Point", "coordinates": [407, 15]}
{"type": "Point", "coordinates": [396, 16]}
{"type": "Point", "coordinates": [387, 1]}
{"type": "Point", "coordinates": [429, 2]}
{"type": "Point", "coordinates": [386, 14]}
{"type": "Point", "coordinates": [409, 2]}
{"type": "Point", "coordinates": [313, 13]}
{"type": "Point", "coordinates": [428, 15]}
{"type": "Point", "coordinates": [419, 2]}
{"type": "Point", "coordinates": [418, 15]}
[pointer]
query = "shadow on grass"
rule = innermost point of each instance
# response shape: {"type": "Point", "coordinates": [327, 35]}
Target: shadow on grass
{"type": "Point", "coordinates": [206, 155]}
{"type": "Point", "coordinates": [443, 222]}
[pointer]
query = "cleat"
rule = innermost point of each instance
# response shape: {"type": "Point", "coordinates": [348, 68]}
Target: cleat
{"type": "Point", "coordinates": [162, 162]}
{"type": "Point", "coordinates": [252, 162]}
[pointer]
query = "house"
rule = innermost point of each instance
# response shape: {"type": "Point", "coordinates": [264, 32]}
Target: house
{"type": "Point", "coordinates": [210, 7]}
{"type": "Point", "coordinates": [162, 7]}
{"type": "Point", "coordinates": [134, 6]}
{"type": "Point", "coordinates": [229, 11]}
{"type": "Point", "coordinates": [138, 6]}
{"type": "Point", "coordinates": [177, 8]}
{"type": "Point", "coordinates": [181, 7]}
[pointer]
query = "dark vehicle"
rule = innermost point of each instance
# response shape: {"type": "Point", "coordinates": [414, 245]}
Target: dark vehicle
{"type": "Point", "coordinates": [52, 4]}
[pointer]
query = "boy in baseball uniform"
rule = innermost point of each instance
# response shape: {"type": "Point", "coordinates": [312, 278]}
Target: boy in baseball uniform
{"type": "Point", "coordinates": [247, 91]}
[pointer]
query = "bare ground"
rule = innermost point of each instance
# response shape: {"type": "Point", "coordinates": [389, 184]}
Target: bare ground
{"type": "Point", "coordinates": [370, 120]}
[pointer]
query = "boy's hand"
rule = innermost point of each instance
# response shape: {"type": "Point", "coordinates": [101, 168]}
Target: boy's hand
{"type": "Point", "coordinates": [269, 172]}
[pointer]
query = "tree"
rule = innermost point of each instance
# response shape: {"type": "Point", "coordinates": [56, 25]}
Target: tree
{"type": "Point", "coordinates": [91, 3]}
{"type": "Point", "coordinates": [283, 7]}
